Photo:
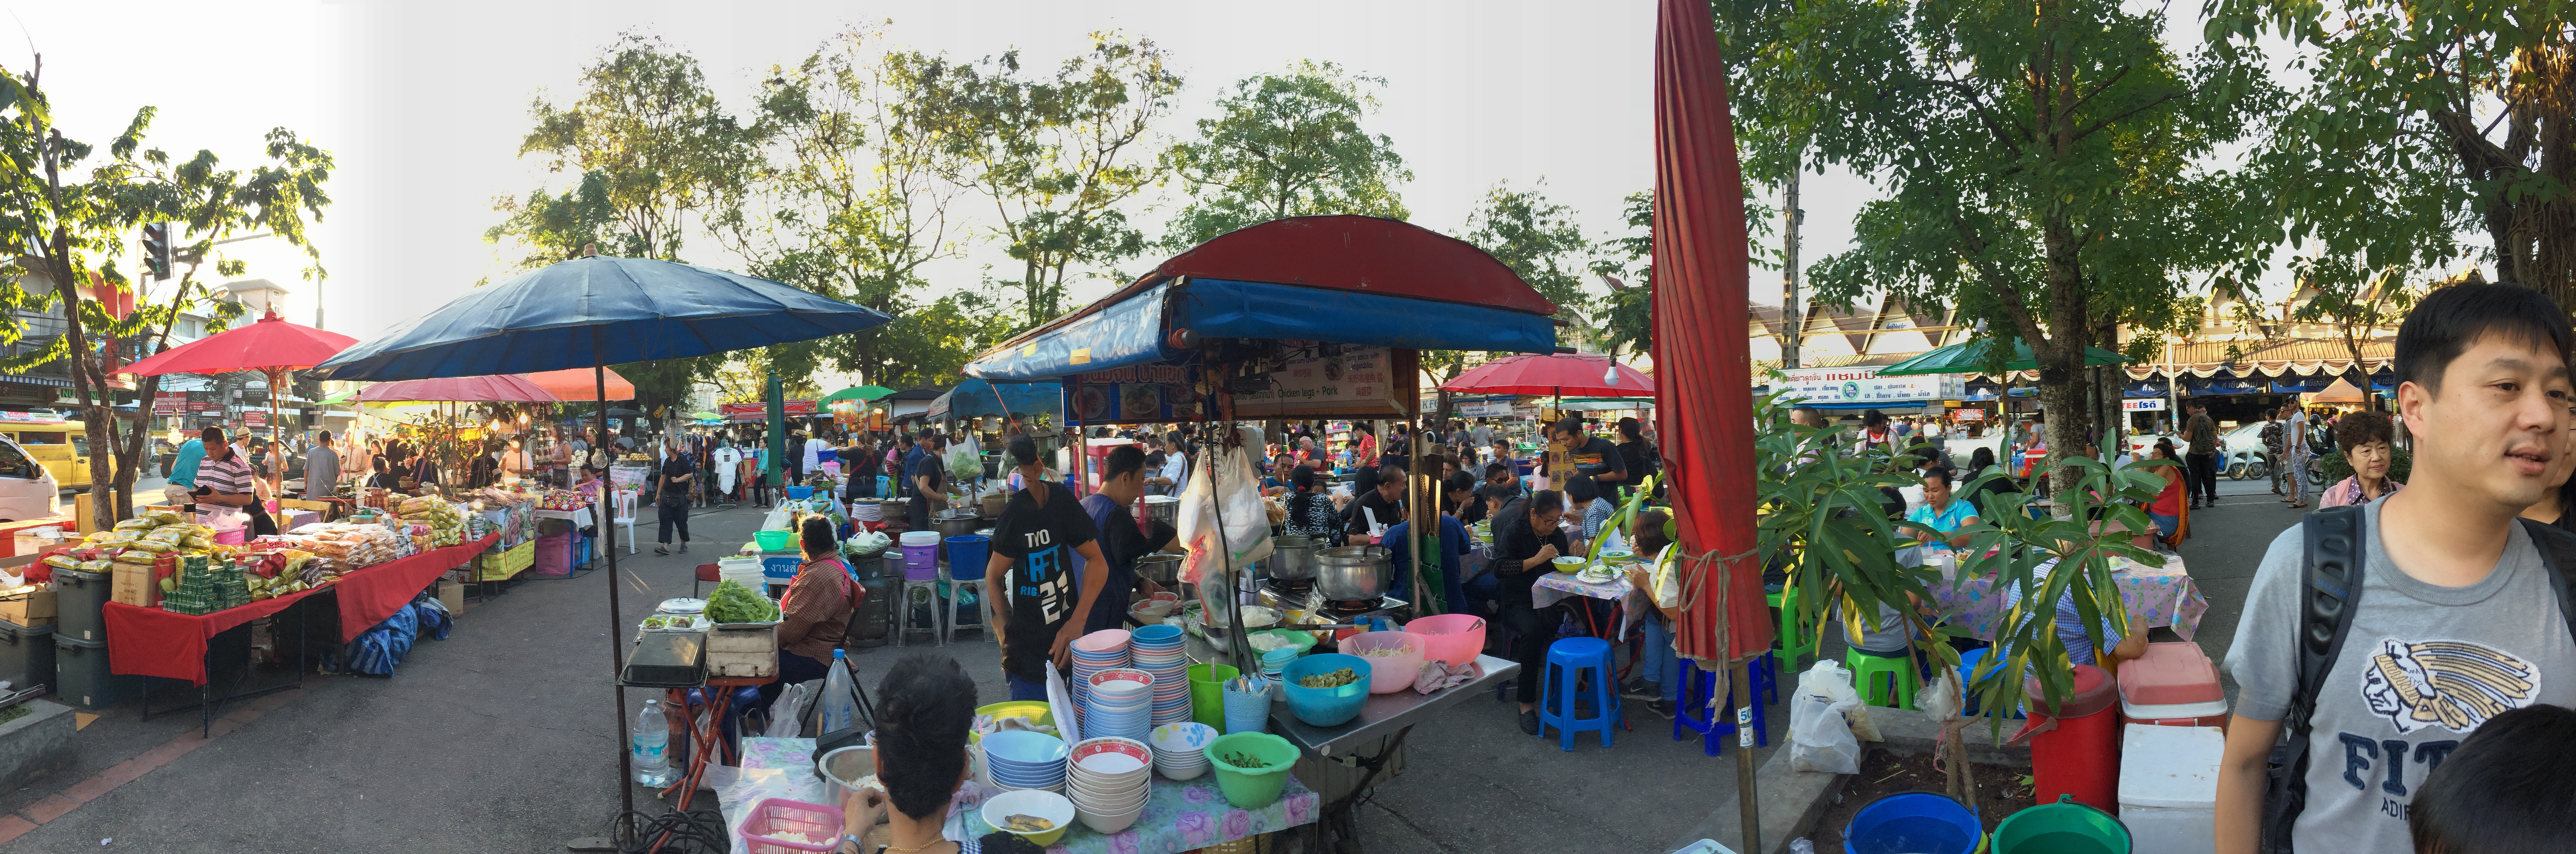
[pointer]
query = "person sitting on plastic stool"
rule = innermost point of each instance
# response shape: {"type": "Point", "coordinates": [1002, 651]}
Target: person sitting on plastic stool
{"type": "Point", "coordinates": [1659, 680]}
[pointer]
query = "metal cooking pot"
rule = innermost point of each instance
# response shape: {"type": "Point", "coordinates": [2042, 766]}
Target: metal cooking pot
{"type": "Point", "coordinates": [1159, 568]}
{"type": "Point", "coordinates": [1353, 573]}
{"type": "Point", "coordinates": [1291, 558]}
{"type": "Point", "coordinates": [1163, 508]}
{"type": "Point", "coordinates": [959, 526]}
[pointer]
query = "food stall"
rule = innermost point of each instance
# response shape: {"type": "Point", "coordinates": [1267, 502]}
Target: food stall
{"type": "Point", "coordinates": [1307, 318]}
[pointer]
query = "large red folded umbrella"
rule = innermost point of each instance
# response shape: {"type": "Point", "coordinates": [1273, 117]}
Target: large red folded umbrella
{"type": "Point", "coordinates": [1580, 376]}
{"type": "Point", "coordinates": [267, 345]}
{"type": "Point", "coordinates": [576, 384]}
{"type": "Point", "coordinates": [494, 388]}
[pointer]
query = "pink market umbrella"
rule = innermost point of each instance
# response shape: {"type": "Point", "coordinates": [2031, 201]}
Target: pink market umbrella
{"type": "Point", "coordinates": [493, 388]}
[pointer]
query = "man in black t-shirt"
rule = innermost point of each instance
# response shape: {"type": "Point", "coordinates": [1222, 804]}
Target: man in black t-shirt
{"type": "Point", "coordinates": [1591, 455]}
{"type": "Point", "coordinates": [1121, 483]}
{"type": "Point", "coordinates": [1037, 608]}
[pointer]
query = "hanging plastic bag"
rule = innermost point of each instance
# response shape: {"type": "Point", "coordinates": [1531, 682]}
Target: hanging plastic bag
{"type": "Point", "coordinates": [1233, 495]}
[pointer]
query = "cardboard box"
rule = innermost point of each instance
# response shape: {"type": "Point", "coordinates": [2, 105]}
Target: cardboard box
{"type": "Point", "coordinates": [329, 510]}
{"type": "Point", "coordinates": [452, 595]}
{"type": "Point", "coordinates": [28, 544]}
{"type": "Point", "coordinates": [29, 608]}
{"type": "Point", "coordinates": [139, 586]}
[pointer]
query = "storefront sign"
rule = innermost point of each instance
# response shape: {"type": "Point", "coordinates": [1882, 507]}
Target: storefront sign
{"type": "Point", "coordinates": [1864, 385]}
{"type": "Point", "coordinates": [1319, 379]}
{"type": "Point", "coordinates": [2143, 404]}
{"type": "Point", "coordinates": [254, 419]}
{"type": "Point", "coordinates": [1969, 414]}
{"type": "Point", "coordinates": [1136, 394]}
{"type": "Point", "coordinates": [169, 402]}
{"type": "Point", "coordinates": [760, 411]}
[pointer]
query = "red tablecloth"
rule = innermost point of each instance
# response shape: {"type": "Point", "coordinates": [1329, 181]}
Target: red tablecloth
{"type": "Point", "coordinates": [154, 642]}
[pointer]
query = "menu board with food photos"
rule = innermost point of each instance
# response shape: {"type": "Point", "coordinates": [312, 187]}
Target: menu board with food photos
{"type": "Point", "coordinates": [1310, 379]}
{"type": "Point", "coordinates": [1138, 394]}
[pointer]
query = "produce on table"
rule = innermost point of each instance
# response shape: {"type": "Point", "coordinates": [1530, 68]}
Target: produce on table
{"type": "Point", "coordinates": [1335, 679]}
{"type": "Point", "coordinates": [733, 603]}
{"type": "Point", "coordinates": [1248, 761]}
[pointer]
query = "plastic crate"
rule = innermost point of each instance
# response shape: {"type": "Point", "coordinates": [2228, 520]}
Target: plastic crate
{"type": "Point", "coordinates": [777, 815]}
{"type": "Point", "coordinates": [26, 654]}
{"type": "Point", "coordinates": [506, 563]}
{"type": "Point", "coordinates": [82, 678]}
{"type": "Point", "coordinates": [81, 596]}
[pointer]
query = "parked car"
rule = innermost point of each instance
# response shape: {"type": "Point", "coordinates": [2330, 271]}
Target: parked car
{"type": "Point", "coordinates": [27, 488]}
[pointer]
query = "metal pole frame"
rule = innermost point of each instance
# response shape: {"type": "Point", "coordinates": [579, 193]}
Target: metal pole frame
{"type": "Point", "coordinates": [616, 623]}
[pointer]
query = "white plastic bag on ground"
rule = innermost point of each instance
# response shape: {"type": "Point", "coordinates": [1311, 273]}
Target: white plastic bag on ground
{"type": "Point", "coordinates": [1237, 488]}
{"type": "Point", "coordinates": [1829, 679]}
{"type": "Point", "coordinates": [1819, 740]}
{"type": "Point", "coordinates": [792, 701]}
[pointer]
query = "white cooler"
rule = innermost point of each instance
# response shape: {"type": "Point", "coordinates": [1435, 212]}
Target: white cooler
{"type": "Point", "coordinates": [2169, 787]}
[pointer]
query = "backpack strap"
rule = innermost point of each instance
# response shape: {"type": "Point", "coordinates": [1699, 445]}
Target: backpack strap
{"type": "Point", "coordinates": [2330, 583]}
{"type": "Point", "coordinates": [2557, 559]}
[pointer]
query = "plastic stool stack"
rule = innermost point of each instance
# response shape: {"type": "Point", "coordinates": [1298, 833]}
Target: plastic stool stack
{"type": "Point", "coordinates": [903, 625]}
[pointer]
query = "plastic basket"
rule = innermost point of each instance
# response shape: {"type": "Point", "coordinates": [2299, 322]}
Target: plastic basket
{"type": "Point", "coordinates": [780, 815]}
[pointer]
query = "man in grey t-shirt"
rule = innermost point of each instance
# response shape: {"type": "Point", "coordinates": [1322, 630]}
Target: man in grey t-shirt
{"type": "Point", "coordinates": [2456, 622]}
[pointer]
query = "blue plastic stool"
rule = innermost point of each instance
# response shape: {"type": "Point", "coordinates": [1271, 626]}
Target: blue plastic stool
{"type": "Point", "coordinates": [1967, 665]}
{"type": "Point", "coordinates": [1698, 685]}
{"type": "Point", "coordinates": [1567, 658]}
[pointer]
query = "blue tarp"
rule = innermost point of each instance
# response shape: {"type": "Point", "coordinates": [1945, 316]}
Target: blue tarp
{"type": "Point", "coordinates": [974, 397]}
{"type": "Point", "coordinates": [2301, 385]}
{"type": "Point", "coordinates": [2149, 387]}
{"type": "Point", "coordinates": [1133, 331]}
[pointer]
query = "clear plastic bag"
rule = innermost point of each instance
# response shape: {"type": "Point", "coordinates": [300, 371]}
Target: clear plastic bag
{"type": "Point", "coordinates": [1247, 517]}
{"type": "Point", "coordinates": [1831, 680]}
{"type": "Point", "coordinates": [1819, 739]}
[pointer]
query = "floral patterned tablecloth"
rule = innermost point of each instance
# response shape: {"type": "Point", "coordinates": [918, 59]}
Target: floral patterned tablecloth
{"type": "Point", "coordinates": [2155, 597]}
{"type": "Point", "coordinates": [1181, 816]}
{"type": "Point", "coordinates": [1555, 586]}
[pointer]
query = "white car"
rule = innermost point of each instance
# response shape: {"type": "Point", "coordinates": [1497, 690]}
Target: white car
{"type": "Point", "coordinates": [27, 490]}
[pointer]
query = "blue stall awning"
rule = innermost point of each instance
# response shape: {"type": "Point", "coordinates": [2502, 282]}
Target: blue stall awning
{"type": "Point", "coordinates": [2287, 384]}
{"type": "Point", "coordinates": [974, 397]}
{"type": "Point", "coordinates": [1133, 331]}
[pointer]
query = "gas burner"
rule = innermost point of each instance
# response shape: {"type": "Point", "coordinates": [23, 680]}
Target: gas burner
{"type": "Point", "coordinates": [1295, 591]}
{"type": "Point", "coordinates": [1358, 607]}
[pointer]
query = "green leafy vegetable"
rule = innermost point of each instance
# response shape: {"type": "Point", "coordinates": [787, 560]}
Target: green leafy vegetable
{"type": "Point", "coordinates": [733, 603]}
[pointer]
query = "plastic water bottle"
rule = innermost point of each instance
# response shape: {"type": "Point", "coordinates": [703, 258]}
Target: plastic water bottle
{"type": "Point", "coordinates": [840, 701]}
{"type": "Point", "coordinates": [651, 739]}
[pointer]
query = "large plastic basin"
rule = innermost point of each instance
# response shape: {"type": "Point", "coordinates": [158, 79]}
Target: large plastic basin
{"type": "Point", "coordinates": [1451, 639]}
{"type": "Point", "coordinates": [1326, 706]}
{"type": "Point", "coordinates": [1248, 788]}
{"type": "Point", "coordinates": [1395, 669]}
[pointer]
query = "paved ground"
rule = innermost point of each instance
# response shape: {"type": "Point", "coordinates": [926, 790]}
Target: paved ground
{"type": "Point", "coordinates": [502, 739]}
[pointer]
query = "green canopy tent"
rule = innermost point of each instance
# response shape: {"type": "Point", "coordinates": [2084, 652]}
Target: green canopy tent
{"type": "Point", "coordinates": [862, 394]}
{"type": "Point", "coordinates": [1970, 358]}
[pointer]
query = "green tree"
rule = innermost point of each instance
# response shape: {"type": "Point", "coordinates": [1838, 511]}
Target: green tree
{"type": "Point", "coordinates": [1286, 145]}
{"type": "Point", "coordinates": [2038, 163]}
{"type": "Point", "coordinates": [1537, 238]}
{"type": "Point", "coordinates": [1056, 155]}
{"type": "Point", "coordinates": [77, 228]}
{"type": "Point", "coordinates": [1627, 314]}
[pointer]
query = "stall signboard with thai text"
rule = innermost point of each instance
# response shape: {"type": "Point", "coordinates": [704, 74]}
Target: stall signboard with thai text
{"type": "Point", "coordinates": [1136, 394]}
{"type": "Point", "coordinates": [1312, 378]}
{"type": "Point", "coordinates": [760, 411]}
{"type": "Point", "coordinates": [2143, 404]}
{"type": "Point", "coordinates": [1864, 385]}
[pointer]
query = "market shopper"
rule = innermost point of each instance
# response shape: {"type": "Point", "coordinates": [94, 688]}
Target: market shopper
{"type": "Point", "coordinates": [1442, 546]}
{"type": "Point", "coordinates": [1379, 498]}
{"type": "Point", "coordinates": [671, 488]}
{"type": "Point", "coordinates": [814, 615]}
{"type": "Point", "coordinates": [1584, 496]}
{"type": "Point", "coordinates": [1591, 455]}
{"type": "Point", "coordinates": [1639, 455]}
{"type": "Point", "coordinates": [1531, 537]}
{"type": "Point", "coordinates": [862, 461]}
{"type": "Point", "coordinates": [924, 707]}
{"type": "Point", "coordinates": [184, 462]}
{"type": "Point", "coordinates": [2201, 461]}
{"type": "Point", "coordinates": [321, 467]}
{"type": "Point", "coordinates": [1310, 513]}
{"type": "Point", "coordinates": [2453, 619]}
{"type": "Point", "coordinates": [1659, 678]}
{"type": "Point", "coordinates": [2367, 442]}
{"type": "Point", "coordinates": [1040, 608]}
{"type": "Point", "coordinates": [1122, 483]}
{"type": "Point", "coordinates": [913, 462]}
{"type": "Point", "coordinates": [2505, 790]}
{"type": "Point", "coordinates": [2295, 453]}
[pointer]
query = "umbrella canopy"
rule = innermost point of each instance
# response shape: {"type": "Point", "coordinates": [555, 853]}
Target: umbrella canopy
{"type": "Point", "coordinates": [1706, 425]}
{"type": "Point", "coordinates": [861, 394]}
{"type": "Point", "coordinates": [268, 344]}
{"type": "Point", "coordinates": [2340, 392]}
{"type": "Point", "coordinates": [598, 311]}
{"type": "Point", "coordinates": [576, 384]}
{"type": "Point", "coordinates": [974, 397]}
{"type": "Point", "coordinates": [1970, 357]}
{"type": "Point", "coordinates": [497, 388]}
{"type": "Point", "coordinates": [1585, 376]}
{"type": "Point", "coordinates": [623, 412]}
{"type": "Point", "coordinates": [342, 397]}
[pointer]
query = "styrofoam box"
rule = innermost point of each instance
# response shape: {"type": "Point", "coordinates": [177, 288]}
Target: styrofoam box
{"type": "Point", "coordinates": [2169, 787]}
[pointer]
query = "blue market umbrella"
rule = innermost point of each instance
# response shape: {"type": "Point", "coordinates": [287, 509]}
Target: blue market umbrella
{"type": "Point", "coordinates": [593, 312]}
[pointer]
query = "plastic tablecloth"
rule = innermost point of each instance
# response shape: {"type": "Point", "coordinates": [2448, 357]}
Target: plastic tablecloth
{"type": "Point", "coordinates": [169, 644]}
{"type": "Point", "coordinates": [1555, 586]}
{"type": "Point", "coordinates": [2154, 597]}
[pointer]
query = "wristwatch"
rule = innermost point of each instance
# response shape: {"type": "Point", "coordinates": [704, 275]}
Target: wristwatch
{"type": "Point", "coordinates": [855, 843]}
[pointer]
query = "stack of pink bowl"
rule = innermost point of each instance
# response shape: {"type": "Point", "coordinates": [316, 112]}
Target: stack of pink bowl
{"type": "Point", "coordinates": [1101, 650]}
{"type": "Point", "coordinates": [1109, 780]}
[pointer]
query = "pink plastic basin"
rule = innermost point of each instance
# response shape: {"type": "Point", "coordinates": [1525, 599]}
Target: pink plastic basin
{"type": "Point", "coordinates": [1451, 639]}
{"type": "Point", "coordinates": [1388, 673]}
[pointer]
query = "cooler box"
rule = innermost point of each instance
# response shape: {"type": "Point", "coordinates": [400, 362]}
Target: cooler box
{"type": "Point", "coordinates": [2169, 787]}
{"type": "Point", "coordinates": [2174, 684]}
{"type": "Point", "coordinates": [2076, 752]}
{"type": "Point", "coordinates": [82, 596]}
{"type": "Point", "coordinates": [26, 654]}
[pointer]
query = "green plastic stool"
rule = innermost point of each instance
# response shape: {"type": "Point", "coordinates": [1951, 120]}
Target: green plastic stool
{"type": "Point", "coordinates": [1866, 669]}
{"type": "Point", "coordinates": [1796, 640]}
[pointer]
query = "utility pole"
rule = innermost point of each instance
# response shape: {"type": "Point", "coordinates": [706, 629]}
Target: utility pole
{"type": "Point", "coordinates": [1791, 318]}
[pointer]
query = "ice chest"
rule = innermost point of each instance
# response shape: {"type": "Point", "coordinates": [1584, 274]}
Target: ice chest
{"type": "Point", "coordinates": [2174, 684]}
{"type": "Point", "coordinates": [82, 679]}
{"type": "Point", "coordinates": [26, 654]}
{"type": "Point", "coordinates": [81, 596]}
{"type": "Point", "coordinates": [2169, 786]}
{"type": "Point", "coordinates": [743, 650]}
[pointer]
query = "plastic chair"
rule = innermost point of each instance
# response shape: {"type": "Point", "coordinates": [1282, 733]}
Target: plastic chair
{"type": "Point", "coordinates": [957, 587]}
{"type": "Point", "coordinates": [1567, 659]}
{"type": "Point", "coordinates": [707, 572]}
{"type": "Point", "coordinates": [1697, 687]}
{"type": "Point", "coordinates": [624, 515]}
{"type": "Point", "coordinates": [1797, 640]}
{"type": "Point", "coordinates": [938, 627]}
{"type": "Point", "coordinates": [1866, 669]}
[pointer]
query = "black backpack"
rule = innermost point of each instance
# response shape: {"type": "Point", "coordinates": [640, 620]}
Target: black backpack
{"type": "Point", "coordinates": [2332, 574]}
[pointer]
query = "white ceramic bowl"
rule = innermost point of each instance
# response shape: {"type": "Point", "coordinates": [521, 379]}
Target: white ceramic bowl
{"type": "Point", "coordinates": [1109, 822]}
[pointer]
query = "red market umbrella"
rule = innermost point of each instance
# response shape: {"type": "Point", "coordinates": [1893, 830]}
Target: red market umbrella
{"type": "Point", "coordinates": [578, 384]}
{"type": "Point", "coordinates": [1560, 375]}
{"type": "Point", "coordinates": [268, 344]}
{"type": "Point", "coordinates": [494, 388]}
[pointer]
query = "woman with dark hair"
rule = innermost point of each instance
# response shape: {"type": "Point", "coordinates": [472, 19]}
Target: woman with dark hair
{"type": "Point", "coordinates": [815, 612]}
{"type": "Point", "coordinates": [1584, 496]}
{"type": "Point", "coordinates": [2368, 441]}
{"type": "Point", "coordinates": [1874, 433]}
{"type": "Point", "coordinates": [2167, 510]}
{"type": "Point", "coordinates": [1529, 537]}
{"type": "Point", "coordinates": [1640, 455]}
{"type": "Point", "coordinates": [1310, 513]}
{"type": "Point", "coordinates": [2505, 790]}
{"type": "Point", "coordinates": [924, 707]}
{"type": "Point", "coordinates": [1978, 463]}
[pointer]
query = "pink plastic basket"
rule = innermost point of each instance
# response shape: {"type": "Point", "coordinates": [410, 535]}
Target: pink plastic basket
{"type": "Point", "coordinates": [780, 815]}
{"type": "Point", "coordinates": [1453, 639]}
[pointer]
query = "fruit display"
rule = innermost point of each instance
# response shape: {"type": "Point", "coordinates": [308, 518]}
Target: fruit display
{"type": "Point", "coordinates": [733, 603]}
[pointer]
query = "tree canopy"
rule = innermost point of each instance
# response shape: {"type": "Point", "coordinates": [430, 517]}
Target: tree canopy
{"type": "Point", "coordinates": [1286, 144]}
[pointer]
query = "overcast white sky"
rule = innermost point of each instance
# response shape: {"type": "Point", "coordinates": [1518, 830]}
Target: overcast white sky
{"type": "Point", "coordinates": [424, 104]}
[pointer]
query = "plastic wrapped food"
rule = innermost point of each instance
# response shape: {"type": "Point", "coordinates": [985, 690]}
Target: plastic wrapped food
{"type": "Point", "coordinates": [136, 525]}
{"type": "Point", "coordinates": [61, 561]}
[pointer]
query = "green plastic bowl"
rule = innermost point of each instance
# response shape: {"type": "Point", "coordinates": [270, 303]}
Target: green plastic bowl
{"type": "Point", "coordinates": [1252, 789]}
{"type": "Point", "coordinates": [1302, 641]}
{"type": "Point", "coordinates": [771, 541]}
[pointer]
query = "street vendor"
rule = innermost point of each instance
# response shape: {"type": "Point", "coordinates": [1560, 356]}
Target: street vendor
{"type": "Point", "coordinates": [1310, 513]}
{"type": "Point", "coordinates": [224, 479]}
{"type": "Point", "coordinates": [1122, 482]}
{"type": "Point", "coordinates": [1038, 611]}
{"type": "Point", "coordinates": [924, 707]}
{"type": "Point", "coordinates": [1528, 538]}
{"type": "Point", "coordinates": [814, 616]}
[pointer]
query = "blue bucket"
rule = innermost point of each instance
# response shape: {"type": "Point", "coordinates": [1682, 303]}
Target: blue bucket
{"type": "Point", "coordinates": [1914, 823]}
{"type": "Point", "coordinates": [799, 493]}
{"type": "Point", "coordinates": [966, 556]}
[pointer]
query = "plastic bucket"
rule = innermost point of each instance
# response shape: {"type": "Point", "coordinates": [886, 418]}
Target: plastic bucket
{"type": "Point", "coordinates": [1451, 639]}
{"type": "Point", "coordinates": [1918, 823]}
{"type": "Point", "coordinates": [799, 493]}
{"type": "Point", "coordinates": [920, 562]}
{"type": "Point", "coordinates": [773, 541]}
{"type": "Point", "coordinates": [2065, 827]}
{"type": "Point", "coordinates": [966, 556]}
{"type": "Point", "coordinates": [1207, 693]}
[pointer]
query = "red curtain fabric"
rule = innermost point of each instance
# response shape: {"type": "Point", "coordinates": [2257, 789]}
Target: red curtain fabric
{"type": "Point", "coordinates": [1704, 417]}
{"type": "Point", "coordinates": [154, 642]}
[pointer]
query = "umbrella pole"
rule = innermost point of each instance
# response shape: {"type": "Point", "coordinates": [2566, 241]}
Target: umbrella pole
{"type": "Point", "coordinates": [616, 623]}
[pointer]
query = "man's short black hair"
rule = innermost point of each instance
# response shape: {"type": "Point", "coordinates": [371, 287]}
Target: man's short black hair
{"type": "Point", "coordinates": [211, 435]}
{"type": "Point", "coordinates": [924, 707]}
{"type": "Point", "coordinates": [1497, 470]}
{"type": "Point", "coordinates": [1024, 451]}
{"type": "Point", "coordinates": [1123, 459]}
{"type": "Point", "coordinates": [2446, 322]}
{"type": "Point", "coordinates": [2505, 790]}
{"type": "Point", "coordinates": [926, 434]}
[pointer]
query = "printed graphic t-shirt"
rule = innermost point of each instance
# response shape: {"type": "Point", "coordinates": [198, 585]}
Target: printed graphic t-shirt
{"type": "Point", "coordinates": [1040, 541]}
{"type": "Point", "coordinates": [2423, 666]}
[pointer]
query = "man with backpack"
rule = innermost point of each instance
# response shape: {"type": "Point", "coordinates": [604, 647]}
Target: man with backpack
{"type": "Point", "coordinates": [2378, 637]}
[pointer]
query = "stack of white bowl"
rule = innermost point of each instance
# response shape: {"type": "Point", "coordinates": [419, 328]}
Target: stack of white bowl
{"type": "Point", "coordinates": [1120, 704]}
{"type": "Point", "coordinates": [1180, 750]}
{"type": "Point", "coordinates": [1109, 780]}
{"type": "Point", "coordinates": [1158, 650]}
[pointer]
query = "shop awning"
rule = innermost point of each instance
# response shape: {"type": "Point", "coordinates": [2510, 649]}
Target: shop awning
{"type": "Point", "coordinates": [974, 398]}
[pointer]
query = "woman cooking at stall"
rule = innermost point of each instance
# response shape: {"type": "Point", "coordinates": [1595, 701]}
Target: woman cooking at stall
{"type": "Point", "coordinates": [1528, 538]}
{"type": "Point", "coordinates": [815, 614]}
{"type": "Point", "coordinates": [1039, 607]}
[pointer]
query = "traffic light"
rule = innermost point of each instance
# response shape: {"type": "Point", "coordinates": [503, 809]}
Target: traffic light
{"type": "Point", "coordinates": [156, 249]}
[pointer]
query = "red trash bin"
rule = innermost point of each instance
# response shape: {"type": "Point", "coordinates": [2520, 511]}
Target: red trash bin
{"type": "Point", "coordinates": [2077, 751]}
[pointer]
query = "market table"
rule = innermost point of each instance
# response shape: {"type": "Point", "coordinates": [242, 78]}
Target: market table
{"type": "Point", "coordinates": [2154, 597]}
{"type": "Point", "coordinates": [1387, 717]}
{"type": "Point", "coordinates": [1555, 586]}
